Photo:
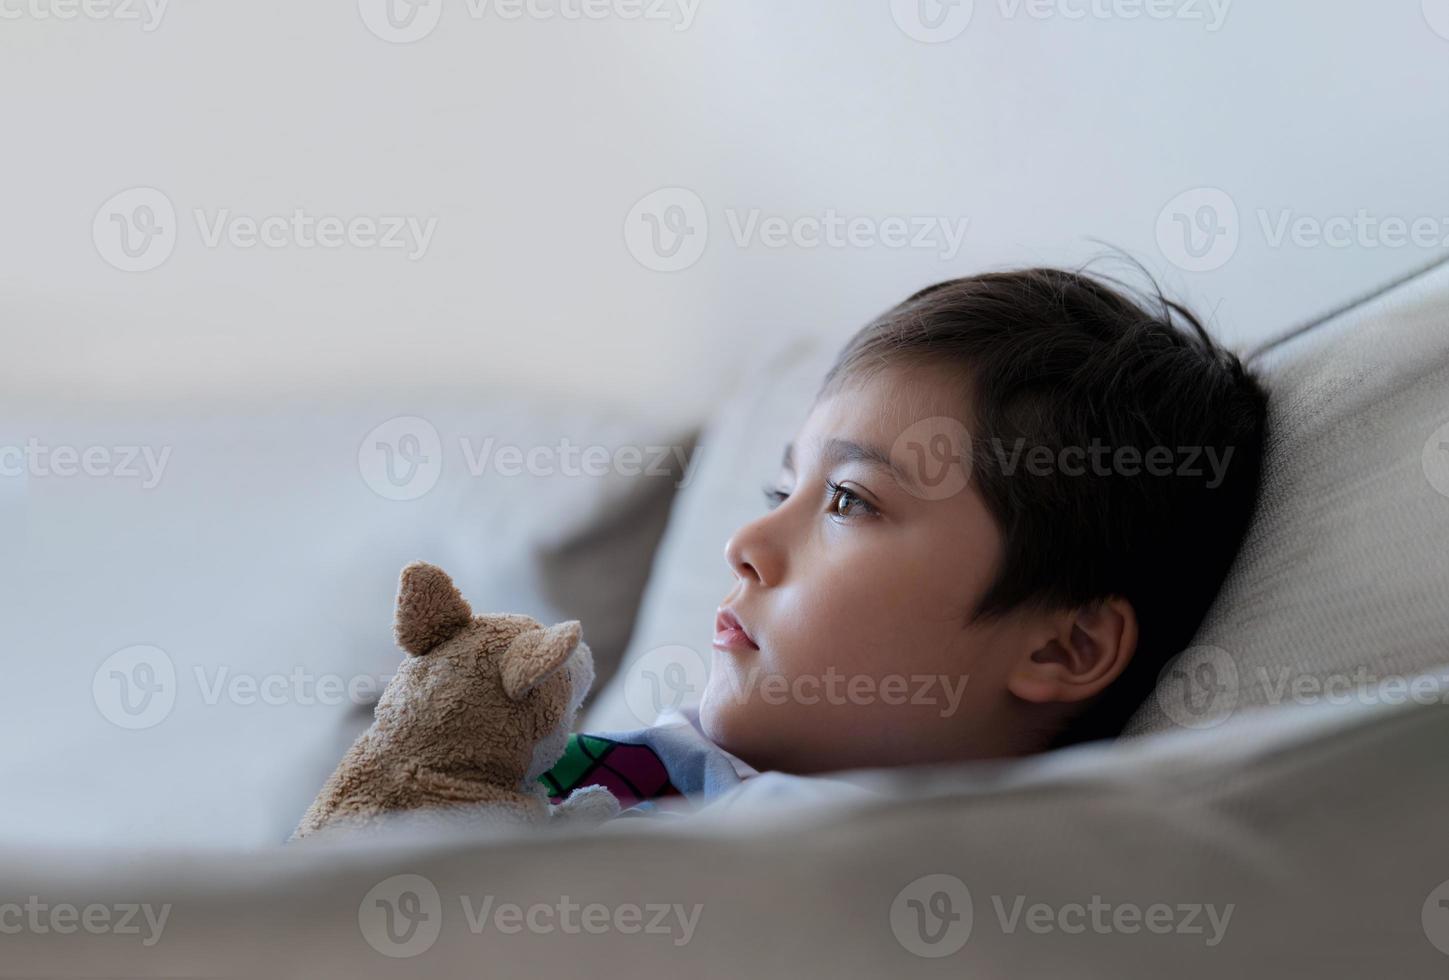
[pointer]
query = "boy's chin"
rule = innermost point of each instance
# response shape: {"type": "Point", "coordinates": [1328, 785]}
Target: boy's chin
{"type": "Point", "coordinates": [721, 723]}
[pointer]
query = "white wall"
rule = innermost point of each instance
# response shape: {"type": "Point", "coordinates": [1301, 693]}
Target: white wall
{"type": "Point", "coordinates": [531, 140]}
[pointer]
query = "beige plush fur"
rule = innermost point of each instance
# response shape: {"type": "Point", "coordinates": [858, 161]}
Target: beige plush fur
{"type": "Point", "coordinates": [481, 707]}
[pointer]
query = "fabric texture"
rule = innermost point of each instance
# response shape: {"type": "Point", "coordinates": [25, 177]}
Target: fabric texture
{"type": "Point", "coordinates": [1343, 579]}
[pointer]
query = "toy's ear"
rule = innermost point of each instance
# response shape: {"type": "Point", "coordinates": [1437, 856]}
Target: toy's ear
{"type": "Point", "coordinates": [535, 655]}
{"type": "Point", "coordinates": [430, 608]}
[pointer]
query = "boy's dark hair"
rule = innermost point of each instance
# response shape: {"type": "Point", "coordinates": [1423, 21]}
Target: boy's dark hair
{"type": "Point", "coordinates": [1066, 359]}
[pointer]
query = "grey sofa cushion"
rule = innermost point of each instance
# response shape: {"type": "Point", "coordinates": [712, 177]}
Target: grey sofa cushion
{"type": "Point", "coordinates": [1308, 843]}
{"type": "Point", "coordinates": [1343, 580]}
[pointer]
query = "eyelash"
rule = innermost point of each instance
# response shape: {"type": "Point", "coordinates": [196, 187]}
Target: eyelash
{"type": "Point", "coordinates": [774, 497]}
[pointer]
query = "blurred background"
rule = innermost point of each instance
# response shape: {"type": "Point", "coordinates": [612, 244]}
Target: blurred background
{"type": "Point", "coordinates": [285, 247]}
{"type": "Point", "coordinates": [514, 148]}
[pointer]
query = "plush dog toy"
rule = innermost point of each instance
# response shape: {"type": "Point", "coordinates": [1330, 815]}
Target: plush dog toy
{"type": "Point", "coordinates": [476, 713]}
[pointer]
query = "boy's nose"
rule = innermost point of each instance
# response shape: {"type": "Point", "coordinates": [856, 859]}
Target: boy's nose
{"type": "Point", "coordinates": [751, 557]}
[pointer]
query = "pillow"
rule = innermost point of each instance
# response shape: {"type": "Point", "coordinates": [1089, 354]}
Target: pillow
{"type": "Point", "coordinates": [1342, 586]}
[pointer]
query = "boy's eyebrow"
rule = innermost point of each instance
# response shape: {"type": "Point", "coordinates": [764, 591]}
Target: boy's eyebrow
{"type": "Point", "coordinates": [838, 451]}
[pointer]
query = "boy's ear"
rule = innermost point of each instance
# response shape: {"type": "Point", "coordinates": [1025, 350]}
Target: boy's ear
{"type": "Point", "coordinates": [1086, 651]}
{"type": "Point", "coordinates": [535, 655]}
{"type": "Point", "coordinates": [430, 609]}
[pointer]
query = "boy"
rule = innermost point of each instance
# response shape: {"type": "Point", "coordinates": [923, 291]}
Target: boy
{"type": "Point", "coordinates": [1011, 505]}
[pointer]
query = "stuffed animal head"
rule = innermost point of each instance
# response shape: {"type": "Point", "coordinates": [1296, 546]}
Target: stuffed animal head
{"type": "Point", "coordinates": [488, 698]}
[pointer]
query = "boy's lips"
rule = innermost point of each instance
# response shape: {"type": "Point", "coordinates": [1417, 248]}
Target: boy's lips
{"type": "Point", "coordinates": [729, 633]}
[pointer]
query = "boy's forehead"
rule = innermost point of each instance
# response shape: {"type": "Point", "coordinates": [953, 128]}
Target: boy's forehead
{"type": "Point", "coordinates": [876, 409]}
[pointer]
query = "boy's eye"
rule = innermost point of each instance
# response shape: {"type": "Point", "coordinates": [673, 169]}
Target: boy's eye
{"type": "Point", "coordinates": [845, 503]}
{"type": "Point", "coordinates": [774, 497]}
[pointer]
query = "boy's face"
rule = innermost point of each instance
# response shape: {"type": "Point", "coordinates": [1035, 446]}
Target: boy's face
{"type": "Point", "coordinates": [853, 594]}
